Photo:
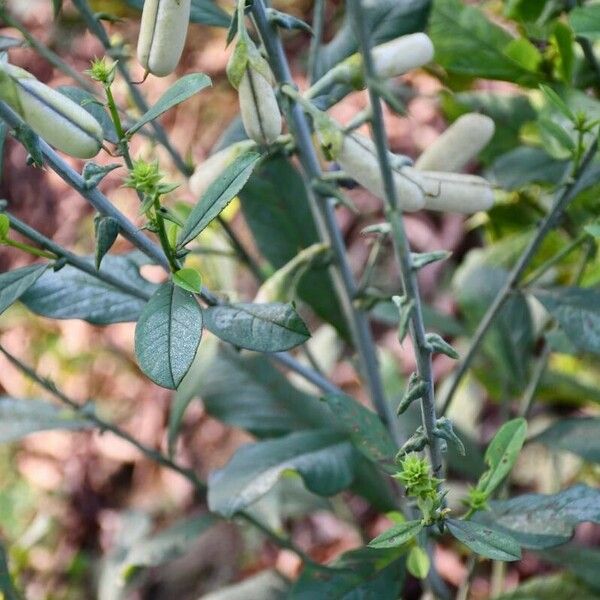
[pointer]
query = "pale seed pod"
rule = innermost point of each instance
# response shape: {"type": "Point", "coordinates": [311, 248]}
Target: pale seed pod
{"type": "Point", "coordinates": [52, 115]}
{"type": "Point", "coordinates": [458, 145]}
{"type": "Point", "coordinates": [455, 192]}
{"type": "Point", "coordinates": [259, 108]}
{"type": "Point", "coordinates": [162, 35]}
{"type": "Point", "coordinates": [358, 158]}
{"type": "Point", "coordinates": [402, 54]}
{"type": "Point", "coordinates": [214, 165]}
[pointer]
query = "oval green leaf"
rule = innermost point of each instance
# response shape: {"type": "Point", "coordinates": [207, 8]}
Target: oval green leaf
{"type": "Point", "coordinates": [397, 535]}
{"type": "Point", "coordinates": [484, 540]}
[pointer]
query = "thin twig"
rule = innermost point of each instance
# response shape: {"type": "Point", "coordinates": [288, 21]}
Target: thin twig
{"type": "Point", "coordinates": [547, 224]}
{"type": "Point", "coordinates": [318, 26]}
{"type": "Point", "coordinates": [323, 212]}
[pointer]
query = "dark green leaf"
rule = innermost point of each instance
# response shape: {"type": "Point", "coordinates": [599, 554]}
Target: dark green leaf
{"type": "Point", "coordinates": [167, 335]}
{"type": "Point", "coordinates": [541, 521]}
{"type": "Point", "coordinates": [19, 418]}
{"type": "Point", "coordinates": [272, 327]}
{"type": "Point", "coordinates": [13, 284]}
{"type": "Point", "coordinates": [550, 587]}
{"type": "Point", "coordinates": [488, 542]}
{"type": "Point", "coordinates": [582, 562]}
{"type": "Point", "coordinates": [275, 206]}
{"type": "Point", "coordinates": [324, 459]}
{"type": "Point", "coordinates": [73, 294]}
{"type": "Point", "coordinates": [181, 90]}
{"type": "Point", "coordinates": [557, 102]}
{"type": "Point", "coordinates": [107, 231]}
{"type": "Point", "coordinates": [578, 312]}
{"type": "Point", "coordinates": [502, 453]}
{"type": "Point", "coordinates": [578, 435]}
{"type": "Point", "coordinates": [94, 107]}
{"type": "Point", "coordinates": [585, 21]}
{"type": "Point", "coordinates": [397, 535]}
{"type": "Point", "coordinates": [218, 195]}
{"type": "Point", "coordinates": [365, 428]}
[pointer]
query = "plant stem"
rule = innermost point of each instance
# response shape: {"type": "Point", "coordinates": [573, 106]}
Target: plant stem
{"type": "Point", "coordinates": [546, 225]}
{"type": "Point", "coordinates": [29, 249]}
{"type": "Point", "coordinates": [401, 246]}
{"type": "Point", "coordinates": [240, 251]}
{"type": "Point", "coordinates": [162, 235]}
{"type": "Point", "coordinates": [318, 26]}
{"type": "Point", "coordinates": [323, 212]}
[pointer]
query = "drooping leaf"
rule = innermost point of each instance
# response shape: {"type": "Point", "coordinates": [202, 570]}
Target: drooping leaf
{"type": "Point", "coordinates": [107, 230]}
{"type": "Point", "coordinates": [397, 535]}
{"type": "Point", "coordinates": [181, 90]}
{"type": "Point", "coordinates": [578, 312]}
{"type": "Point", "coordinates": [502, 453]}
{"type": "Point", "coordinates": [275, 206]}
{"type": "Point", "coordinates": [364, 427]}
{"type": "Point", "coordinates": [19, 418]}
{"type": "Point", "coordinates": [585, 21]}
{"type": "Point", "coordinates": [272, 327]}
{"type": "Point", "coordinates": [218, 195]}
{"type": "Point", "coordinates": [72, 294]}
{"type": "Point", "coordinates": [467, 43]}
{"type": "Point", "coordinates": [266, 585]}
{"type": "Point", "coordinates": [542, 521]}
{"type": "Point", "coordinates": [206, 12]}
{"type": "Point", "coordinates": [486, 541]}
{"type": "Point", "coordinates": [578, 435]}
{"type": "Point", "coordinates": [167, 335]}
{"type": "Point", "coordinates": [13, 284]}
{"type": "Point", "coordinates": [324, 459]}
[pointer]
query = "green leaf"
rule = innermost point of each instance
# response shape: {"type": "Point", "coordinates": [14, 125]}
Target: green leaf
{"type": "Point", "coordinates": [564, 40]}
{"type": "Point", "coordinates": [7, 586]}
{"type": "Point", "coordinates": [485, 541]}
{"type": "Point", "coordinates": [19, 418]}
{"type": "Point", "coordinates": [418, 563]}
{"type": "Point", "coordinates": [363, 574]}
{"type": "Point", "coordinates": [438, 344]}
{"type": "Point", "coordinates": [397, 535]}
{"type": "Point", "coordinates": [167, 544]}
{"type": "Point", "coordinates": [218, 195]}
{"type": "Point", "coordinates": [180, 91]}
{"type": "Point", "coordinates": [287, 21]}
{"type": "Point", "coordinates": [272, 327]}
{"type": "Point", "coordinates": [107, 231]}
{"type": "Point", "coordinates": [364, 427]}
{"type": "Point", "coordinates": [580, 436]}
{"type": "Point", "coordinates": [276, 209]}
{"type": "Point", "coordinates": [578, 312]}
{"type": "Point", "coordinates": [266, 585]}
{"type": "Point", "coordinates": [324, 459]}
{"type": "Point", "coordinates": [550, 587]}
{"type": "Point", "coordinates": [90, 103]}
{"type": "Point", "coordinates": [558, 133]}
{"type": "Point", "coordinates": [582, 562]}
{"type": "Point", "coordinates": [188, 279]}
{"type": "Point", "coordinates": [467, 43]}
{"type": "Point", "coordinates": [585, 21]}
{"type": "Point", "coordinates": [557, 102]}
{"type": "Point", "coordinates": [167, 335]}
{"type": "Point", "coordinates": [541, 521]}
{"type": "Point", "coordinates": [72, 294]}
{"type": "Point", "coordinates": [13, 284]}
{"type": "Point", "coordinates": [501, 454]}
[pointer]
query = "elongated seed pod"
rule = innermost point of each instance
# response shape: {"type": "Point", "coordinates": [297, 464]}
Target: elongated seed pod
{"type": "Point", "coordinates": [162, 35]}
{"type": "Point", "coordinates": [455, 192]}
{"type": "Point", "coordinates": [52, 115]}
{"type": "Point", "coordinates": [358, 158]}
{"type": "Point", "coordinates": [458, 145]}
{"type": "Point", "coordinates": [402, 54]}
{"type": "Point", "coordinates": [258, 105]}
{"type": "Point", "coordinates": [214, 165]}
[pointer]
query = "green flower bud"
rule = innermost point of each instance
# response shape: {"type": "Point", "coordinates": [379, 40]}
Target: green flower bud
{"type": "Point", "coordinates": [54, 117]}
{"type": "Point", "coordinates": [162, 35]}
{"type": "Point", "coordinates": [358, 158]}
{"type": "Point", "coordinates": [214, 165]}
{"type": "Point", "coordinates": [454, 192]}
{"type": "Point", "coordinates": [458, 145]}
{"type": "Point", "coordinates": [259, 108]}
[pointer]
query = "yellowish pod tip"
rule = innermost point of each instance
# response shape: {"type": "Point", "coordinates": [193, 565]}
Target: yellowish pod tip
{"type": "Point", "coordinates": [209, 170]}
{"type": "Point", "coordinates": [53, 116]}
{"type": "Point", "coordinates": [455, 192]}
{"type": "Point", "coordinates": [402, 54]}
{"type": "Point", "coordinates": [259, 108]}
{"type": "Point", "coordinates": [458, 145]}
{"type": "Point", "coordinates": [358, 158]}
{"type": "Point", "coordinates": [162, 35]}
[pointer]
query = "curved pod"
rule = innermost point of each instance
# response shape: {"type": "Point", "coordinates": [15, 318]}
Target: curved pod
{"type": "Point", "coordinates": [259, 108]}
{"type": "Point", "coordinates": [458, 145]}
{"type": "Point", "coordinates": [162, 35]}
{"type": "Point", "coordinates": [358, 158]}
{"type": "Point", "coordinates": [402, 54]}
{"type": "Point", "coordinates": [52, 115]}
